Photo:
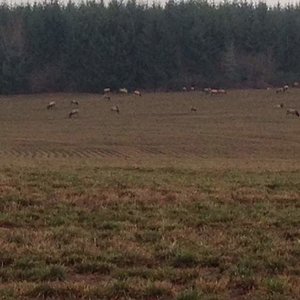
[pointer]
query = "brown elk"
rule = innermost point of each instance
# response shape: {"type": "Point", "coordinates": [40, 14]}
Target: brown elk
{"type": "Point", "coordinates": [213, 92]}
{"type": "Point", "coordinates": [73, 112]}
{"type": "Point", "coordinates": [292, 111]}
{"type": "Point", "coordinates": [206, 90]}
{"type": "Point", "coordinates": [222, 91]}
{"type": "Point", "coordinates": [123, 91]}
{"type": "Point", "coordinates": [51, 105]}
{"type": "Point", "coordinates": [137, 93]}
{"type": "Point", "coordinates": [279, 105]}
{"type": "Point", "coordinates": [115, 108]}
{"type": "Point", "coordinates": [75, 102]}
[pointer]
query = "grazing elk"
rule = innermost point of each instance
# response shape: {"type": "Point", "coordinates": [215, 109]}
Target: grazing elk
{"type": "Point", "coordinates": [51, 105]}
{"type": "Point", "coordinates": [73, 112]}
{"type": "Point", "coordinates": [222, 91]}
{"type": "Point", "coordinates": [137, 93]}
{"type": "Point", "coordinates": [213, 92]}
{"type": "Point", "coordinates": [279, 105]}
{"type": "Point", "coordinates": [115, 108]}
{"type": "Point", "coordinates": [123, 91]}
{"type": "Point", "coordinates": [292, 111]}
{"type": "Point", "coordinates": [74, 102]}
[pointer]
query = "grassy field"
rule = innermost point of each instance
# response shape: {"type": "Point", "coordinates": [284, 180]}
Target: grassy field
{"type": "Point", "coordinates": [154, 203]}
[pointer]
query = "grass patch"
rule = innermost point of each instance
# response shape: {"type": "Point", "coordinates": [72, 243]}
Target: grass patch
{"type": "Point", "coordinates": [190, 295]}
{"type": "Point", "coordinates": [185, 259]}
{"type": "Point", "coordinates": [111, 233]}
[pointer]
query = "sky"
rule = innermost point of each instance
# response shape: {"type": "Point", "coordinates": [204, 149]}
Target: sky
{"type": "Point", "coordinates": [269, 2]}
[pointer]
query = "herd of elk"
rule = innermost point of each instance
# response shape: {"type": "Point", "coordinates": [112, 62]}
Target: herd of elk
{"type": "Point", "coordinates": [213, 92]}
{"type": "Point", "coordinates": [284, 89]}
{"type": "Point", "coordinates": [115, 108]}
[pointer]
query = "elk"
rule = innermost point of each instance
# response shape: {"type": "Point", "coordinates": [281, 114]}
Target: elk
{"type": "Point", "coordinates": [296, 84]}
{"type": "Point", "coordinates": [75, 102]}
{"type": "Point", "coordinates": [115, 108]}
{"type": "Point", "coordinates": [192, 88]}
{"type": "Point", "coordinates": [184, 89]}
{"type": "Point", "coordinates": [222, 91]}
{"type": "Point", "coordinates": [51, 105]}
{"type": "Point", "coordinates": [73, 112]}
{"type": "Point", "coordinates": [292, 111]}
{"type": "Point", "coordinates": [206, 90]}
{"type": "Point", "coordinates": [214, 92]}
{"type": "Point", "coordinates": [123, 91]}
{"type": "Point", "coordinates": [280, 90]}
{"type": "Point", "coordinates": [285, 87]}
{"type": "Point", "coordinates": [137, 93]}
{"type": "Point", "coordinates": [193, 109]}
{"type": "Point", "coordinates": [279, 105]}
{"type": "Point", "coordinates": [106, 90]}
{"type": "Point", "coordinates": [106, 97]}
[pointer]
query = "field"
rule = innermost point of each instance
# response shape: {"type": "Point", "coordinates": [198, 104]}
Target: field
{"type": "Point", "coordinates": [156, 202]}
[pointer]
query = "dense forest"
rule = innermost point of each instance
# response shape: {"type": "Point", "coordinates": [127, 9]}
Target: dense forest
{"type": "Point", "coordinates": [88, 46]}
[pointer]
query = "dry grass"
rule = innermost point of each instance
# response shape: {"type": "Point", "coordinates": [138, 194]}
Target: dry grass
{"type": "Point", "coordinates": [154, 203]}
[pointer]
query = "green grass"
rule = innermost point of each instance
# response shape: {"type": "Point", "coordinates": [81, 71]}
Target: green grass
{"type": "Point", "coordinates": [91, 237]}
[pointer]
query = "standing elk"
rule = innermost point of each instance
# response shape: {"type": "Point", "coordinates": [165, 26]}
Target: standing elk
{"type": "Point", "coordinates": [184, 89]}
{"type": "Point", "coordinates": [193, 109]}
{"type": "Point", "coordinates": [296, 84]}
{"type": "Point", "coordinates": [106, 90]}
{"type": "Point", "coordinates": [73, 112]}
{"type": "Point", "coordinates": [115, 108]}
{"type": "Point", "coordinates": [206, 90]}
{"type": "Point", "coordinates": [222, 91]}
{"type": "Point", "coordinates": [292, 111]}
{"type": "Point", "coordinates": [74, 102]}
{"type": "Point", "coordinates": [192, 88]}
{"type": "Point", "coordinates": [123, 91]}
{"type": "Point", "coordinates": [213, 92]}
{"type": "Point", "coordinates": [51, 105]}
{"type": "Point", "coordinates": [282, 89]}
{"type": "Point", "coordinates": [137, 93]}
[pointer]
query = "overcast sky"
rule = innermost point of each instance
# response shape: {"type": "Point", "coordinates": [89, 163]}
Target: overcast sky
{"type": "Point", "coordinates": [270, 2]}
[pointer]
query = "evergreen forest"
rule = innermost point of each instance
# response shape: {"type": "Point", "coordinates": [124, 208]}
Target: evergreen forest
{"type": "Point", "coordinates": [88, 46]}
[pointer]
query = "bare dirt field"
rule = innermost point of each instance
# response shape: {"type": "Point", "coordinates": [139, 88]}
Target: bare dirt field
{"type": "Point", "coordinates": [240, 128]}
{"type": "Point", "coordinates": [156, 202]}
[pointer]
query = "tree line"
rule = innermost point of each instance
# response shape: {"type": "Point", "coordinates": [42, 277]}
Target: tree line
{"type": "Point", "coordinates": [92, 45]}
